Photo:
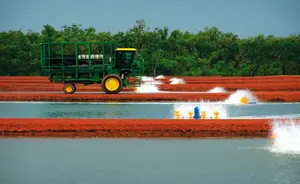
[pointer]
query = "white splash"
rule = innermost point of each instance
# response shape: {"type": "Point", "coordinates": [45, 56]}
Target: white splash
{"type": "Point", "coordinates": [287, 136]}
{"type": "Point", "coordinates": [160, 77]}
{"type": "Point", "coordinates": [177, 81]}
{"type": "Point", "coordinates": [153, 83]}
{"type": "Point", "coordinates": [235, 98]}
{"type": "Point", "coordinates": [286, 116]}
{"type": "Point", "coordinates": [211, 107]}
{"type": "Point", "coordinates": [208, 108]}
{"type": "Point", "coordinates": [148, 79]}
{"type": "Point", "coordinates": [217, 90]}
{"type": "Point", "coordinates": [147, 88]}
{"type": "Point", "coordinates": [148, 85]}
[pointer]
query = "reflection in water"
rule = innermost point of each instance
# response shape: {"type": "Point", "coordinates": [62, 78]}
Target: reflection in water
{"type": "Point", "coordinates": [86, 114]}
{"type": "Point", "coordinates": [79, 161]}
{"type": "Point", "coordinates": [123, 110]}
{"type": "Point", "coordinates": [288, 169]}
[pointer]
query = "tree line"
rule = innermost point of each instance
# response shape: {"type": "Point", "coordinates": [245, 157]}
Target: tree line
{"type": "Point", "coordinates": [206, 53]}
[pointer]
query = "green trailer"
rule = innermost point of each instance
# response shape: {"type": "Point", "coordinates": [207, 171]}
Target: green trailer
{"type": "Point", "coordinates": [88, 63]}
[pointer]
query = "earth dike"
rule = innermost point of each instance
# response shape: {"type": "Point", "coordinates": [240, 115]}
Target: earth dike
{"type": "Point", "coordinates": [135, 128]}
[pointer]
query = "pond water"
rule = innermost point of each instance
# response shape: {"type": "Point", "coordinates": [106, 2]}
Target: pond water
{"type": "Point", "coordinates": [93, 161]}
{"type": "Point", "coordinates": [145, 110]}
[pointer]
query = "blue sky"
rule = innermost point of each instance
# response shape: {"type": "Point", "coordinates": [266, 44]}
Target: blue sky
{"type": "Point", "coordinates": [244, 18]}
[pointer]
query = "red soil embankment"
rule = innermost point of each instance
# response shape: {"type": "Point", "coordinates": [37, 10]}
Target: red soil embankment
{"type": "Point", "coordinates": [221, 82]}
{"type": "Point", "coordinates": [23, 78]}
{"type": "Point", "coordinates": [17, 81]}
{"type": "Point", "coordinates": [280, 86]}
{"type": "Point", "coordinates": [268, 83]}
{"type": "Point", "coordinates": [292, 86]}
{"type": "Point", "coordinates": [274, 77]}
{"type": "Point", "coordinates": [166, 80]}
{"type": "Point", "coordinates": [271, 77]}
{"type": "Point", "coordinates": [63, 127]}
{"type": "Point", "coordinates": [262, 96]}
{"type": "Point", "coordinates": [42, 87]}
{"type": "Point", "coordinates": [218, 79]}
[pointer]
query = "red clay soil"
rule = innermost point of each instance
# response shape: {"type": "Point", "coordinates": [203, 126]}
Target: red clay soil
{"type": "Point", "coordinates": [45, 78]}
{"type": "Point", "coordinates": [188, 80]}
{"type": "Point", "coordinates": [262, 97]}
{"type": "Point", "coordinates": [196, 81]}
{"type": "Point", "coordinates": [24, 77]}
{"type": "Point", "coordinates": [280, 86]}
{"type": "Point", "coordinates": [293, 86]}
{"type": "Point", "coordinates": [212, 78]}
{"type": "Point", "coordinates": [41, 87]}
{"type": "Point", "coordinates": [12, 81]}
{"type": "Point", "coordinates": [142, 128]}
{"type": "Point", "coordinates": [266, 79]}
{"type": "Point", "coordinates": [238, 81]}
{"type": "Point", "coordinates": [263, 83]}
{"type": "Point", "coordinates": [274, 77]}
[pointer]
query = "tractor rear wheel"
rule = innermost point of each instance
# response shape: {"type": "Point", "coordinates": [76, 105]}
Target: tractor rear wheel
{"type": "Point", "coordinates": [112, 84]}
{"type": "Point", "coordinates": [69, 88]}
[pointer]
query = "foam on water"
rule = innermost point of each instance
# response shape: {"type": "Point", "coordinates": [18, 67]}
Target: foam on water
{"type": "Point", "coordinates": [148, 85]}
{"type": "Point", "coordinates": [210, 108]}
{"type": "Point", "coordinates": [147, 88]}
{"type": "Point", "coordinates": [235, 98]}
{"type": "Point", "coordinates": [177, 81]}
{"type": "Point", "coordinates": [217, 90]}
{"type": "Point", "coordinates": [146, 78]}
{"type": "Point", "coordinates": [160, 77]}
{"type": "Point", "coordinates": [287, 116]}
{"type": "Point", "coordinates": [287, 137]}
{"type": "Point", "coordinates": [153, 83]}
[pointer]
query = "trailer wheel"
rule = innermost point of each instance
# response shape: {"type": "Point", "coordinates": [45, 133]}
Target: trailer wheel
{"type": "Point", "coordinates": [69, 88]}
{"type": "Point", "coordinates": [112, 84]}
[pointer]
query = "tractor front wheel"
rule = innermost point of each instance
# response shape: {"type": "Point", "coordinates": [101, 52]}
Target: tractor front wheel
{"type": "Point", "coordinates": [112, 84]}
{"type": "Point", "coordinates": [69, 88]}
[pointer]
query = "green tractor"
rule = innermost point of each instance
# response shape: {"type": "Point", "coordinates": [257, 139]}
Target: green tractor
{"type": "Point", "coordinates": [87, 63]}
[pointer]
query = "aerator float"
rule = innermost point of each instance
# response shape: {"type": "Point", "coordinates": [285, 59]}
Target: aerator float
{"type": "Point", "coordinates": [91, 62]}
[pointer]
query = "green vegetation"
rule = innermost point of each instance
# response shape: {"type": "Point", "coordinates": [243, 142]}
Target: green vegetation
{"type": "Point", "coordinates": [209, 52]}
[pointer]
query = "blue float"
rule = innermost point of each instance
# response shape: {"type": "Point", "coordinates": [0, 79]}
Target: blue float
{"type": "Point", "coordinates": [196, 113]}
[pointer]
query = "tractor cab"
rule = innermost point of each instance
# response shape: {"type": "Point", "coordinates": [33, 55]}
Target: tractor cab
{"type": "Point", "coordinates": [125, 58]}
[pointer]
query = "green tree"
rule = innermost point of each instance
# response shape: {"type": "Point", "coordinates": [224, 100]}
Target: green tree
{"type": "Point", "coordinates": [206, 53]}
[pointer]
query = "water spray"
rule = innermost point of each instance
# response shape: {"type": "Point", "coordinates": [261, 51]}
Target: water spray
{"type": "Point", "coordinates": [177, 81]}
{"type": "Point", "coordinates": [217, 90]}
{"type": "Point", "coordinates": [160, 77]}
{"type": "Point", "coordinates": [241, 97]}
{"type": "Point", "coordinates": [285, 137]}
{"type": "Point", "coordinates": [216, 110]}
{"type": "Point", "coordinates": [148, 85]}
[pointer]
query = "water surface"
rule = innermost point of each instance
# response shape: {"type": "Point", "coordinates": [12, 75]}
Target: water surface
{"type": "Point", "coordinates": [94, 161]}
{"type": "Point", "coordinates": [136, 110]}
